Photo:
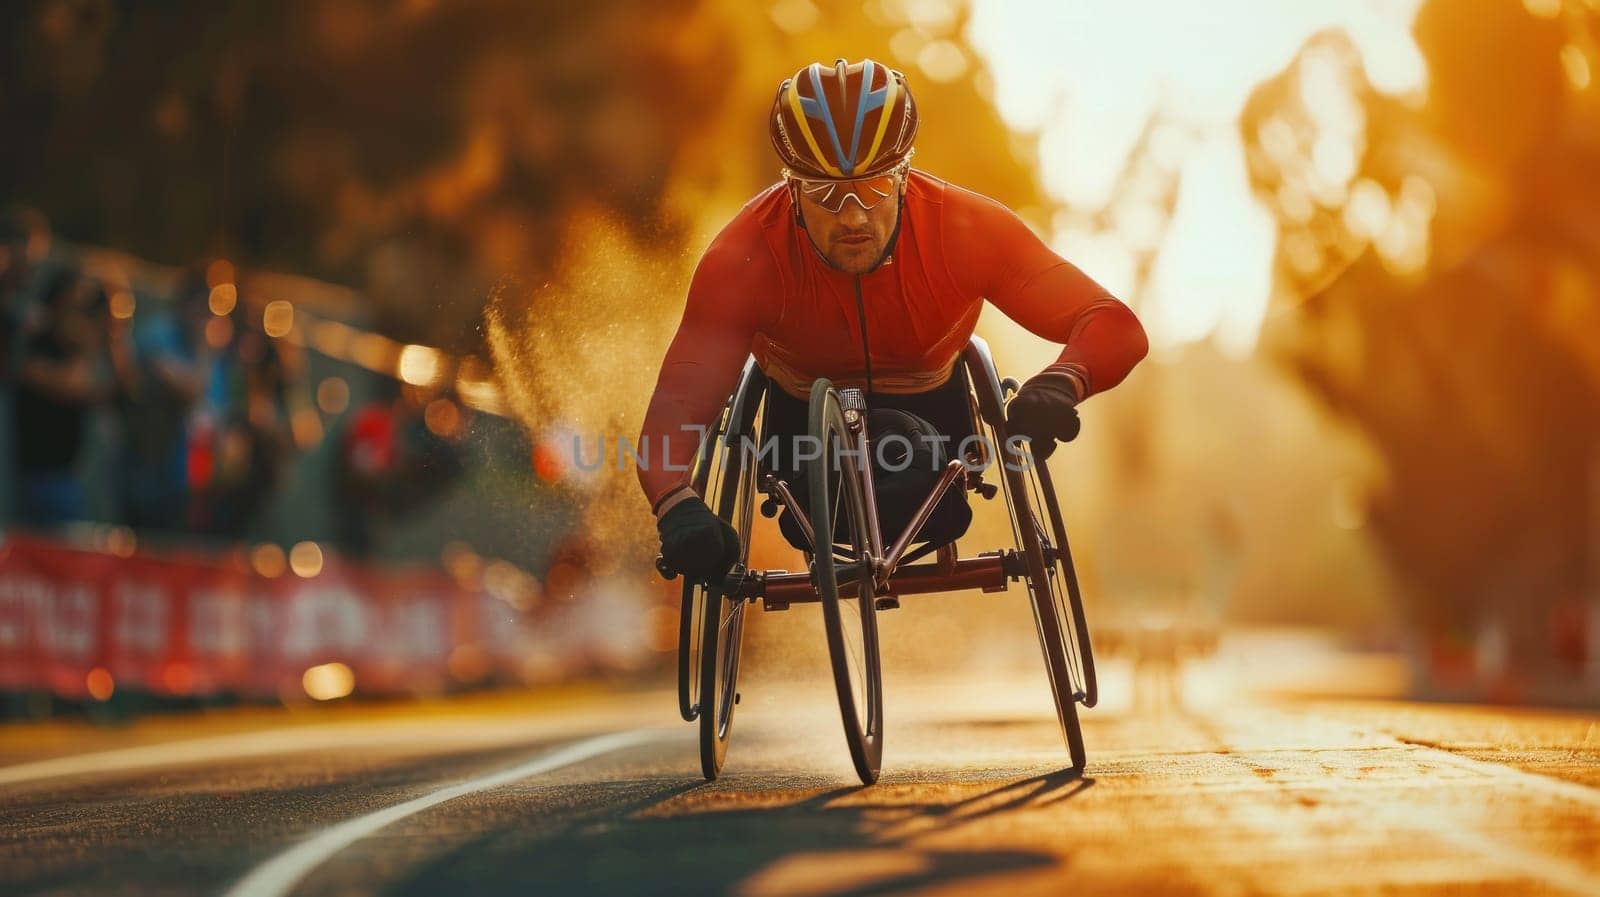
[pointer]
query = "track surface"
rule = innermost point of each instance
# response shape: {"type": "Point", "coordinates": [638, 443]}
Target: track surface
{"type": "Point", "coordinates": [541, 795]}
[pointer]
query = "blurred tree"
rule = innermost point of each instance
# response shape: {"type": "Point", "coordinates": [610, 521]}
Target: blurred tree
{"type": "Point", "coordinates": [420, 149]}
{"type": "Point", "coordinates": [411, 147]}
{"type": "Point", "coordinates": [1446, 301]}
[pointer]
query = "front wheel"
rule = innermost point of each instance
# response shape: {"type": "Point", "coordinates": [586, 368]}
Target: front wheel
{"type": "Point", "coordinates": [1059, 636]}
{"type": "Point", "coordinates": [842, 574]}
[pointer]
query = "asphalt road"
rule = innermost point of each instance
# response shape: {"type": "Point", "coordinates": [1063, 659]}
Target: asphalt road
{"type": "Point", "coordinates": [598, 791]}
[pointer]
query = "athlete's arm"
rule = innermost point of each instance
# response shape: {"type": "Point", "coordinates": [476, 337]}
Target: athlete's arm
{"type": "Point", "coordinates": [701, 367]}
{"type": "Point", "coordinates": [993, 253]}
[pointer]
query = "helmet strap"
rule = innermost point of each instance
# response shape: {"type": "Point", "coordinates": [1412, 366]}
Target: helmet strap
{"type": "Point", "coordinates": [794, 200]}
{"type": "Point", "coordinates": [894, 236]}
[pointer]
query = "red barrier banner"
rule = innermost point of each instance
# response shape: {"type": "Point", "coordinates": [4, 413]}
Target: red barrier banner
{"type": "Point", "coordinates": [218, 634]}
{"type": "Point", "coordinates": [413, 630]}
{"type": "Point", "coordinates": [53, 625]}
{"type": "Point", "coordinates": [77, 622]}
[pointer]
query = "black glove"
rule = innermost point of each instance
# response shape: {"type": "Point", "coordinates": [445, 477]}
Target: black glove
{"type": "Point", "coordinates": [696, 542]}
{"type": "Point", "coordinates": [1045, 410]}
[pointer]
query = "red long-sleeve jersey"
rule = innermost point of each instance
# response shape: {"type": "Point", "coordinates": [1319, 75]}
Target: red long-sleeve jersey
{"type": "Point", "coordinates": [762, 289]}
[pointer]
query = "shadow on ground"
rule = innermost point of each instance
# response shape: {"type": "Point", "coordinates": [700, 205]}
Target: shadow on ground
{"type": "Point", "coordinates": [695, 840]}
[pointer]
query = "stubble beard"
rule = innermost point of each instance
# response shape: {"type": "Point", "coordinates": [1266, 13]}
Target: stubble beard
{"type": "Point", "coordinates": [855, 259]}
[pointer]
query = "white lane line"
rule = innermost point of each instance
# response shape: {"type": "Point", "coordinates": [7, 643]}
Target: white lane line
{"type": "Point", "coordinates": [1565, 875]}
{"type": "Point", "coordinates": [460, 732]}
{"type": "Point", "coordinates": [1562, 789]}
{"type": "Point", "coordinates": [280, 874]}
{"type": "Point", "coordinates": [196, 750]}
{"type": "Point", "coordinates": [1553, 870]}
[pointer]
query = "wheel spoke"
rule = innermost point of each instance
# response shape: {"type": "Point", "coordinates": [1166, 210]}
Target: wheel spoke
{"type": "Point", "coordinates": [860, 675]}
{"type": "Point", "coordinates": [835, 467]}
{"type": "Point", "coordinates": [850, 610]}
{"type": "Point", "coordinates": [698, 615]}
{"type": "Point", "coordinates": [1005, 487]}
{"type": "Point", "coordinates": [1067, 622]}
{"type": "Point", "coordinates": [731, 615]}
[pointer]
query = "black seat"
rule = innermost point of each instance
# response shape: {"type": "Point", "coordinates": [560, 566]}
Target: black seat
{"type": "Point", "coordinates": [946, 410]}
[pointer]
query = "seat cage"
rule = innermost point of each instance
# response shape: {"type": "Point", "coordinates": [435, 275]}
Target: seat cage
{"type": "Point", "coordinates": [893, 572]}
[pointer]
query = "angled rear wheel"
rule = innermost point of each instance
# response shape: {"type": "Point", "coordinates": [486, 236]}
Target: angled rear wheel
{"type": "Point", "coordinates": [1064, 584]}
{"type": "Point", "coordinates": [1040, 539]}
{"type": "Point", "coordinates": [1065, 681]}
{"type": "Point", "coordinates": [722, 636]}
{"type": "Point", "coordinates": [711, 630]}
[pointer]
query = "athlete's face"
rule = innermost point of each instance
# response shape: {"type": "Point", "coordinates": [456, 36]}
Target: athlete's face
{"type": "Point", "coordinates": [853, 238]}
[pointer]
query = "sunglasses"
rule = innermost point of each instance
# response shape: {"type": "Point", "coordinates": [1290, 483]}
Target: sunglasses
{"type": "Point", "coordinates": [831, 194]}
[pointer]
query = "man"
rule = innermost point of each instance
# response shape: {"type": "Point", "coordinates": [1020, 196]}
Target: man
{"type": "Point", "coordinates": [58, 384]}
{"type": "Point", "coordinates": [162, 374]}
{"type": "Point", "coordinates": [24, 240]}
{"type": "Point", "coordinates": [858, 268]}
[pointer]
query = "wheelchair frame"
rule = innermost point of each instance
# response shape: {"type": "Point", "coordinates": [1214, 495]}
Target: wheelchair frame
{"type": "Point", "coordinates": [1041, 560]}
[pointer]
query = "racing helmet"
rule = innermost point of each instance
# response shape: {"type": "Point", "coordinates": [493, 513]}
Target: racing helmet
{"type": "Point", "coordinates": [856, 119]}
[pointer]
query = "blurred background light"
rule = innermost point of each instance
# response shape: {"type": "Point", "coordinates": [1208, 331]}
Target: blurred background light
{"type": "Point", "coordinates": [268, 560]}
{"type": "Point", "coordinates": [328, 681]}
{"type": "Point", "coordinates": [99, 684]}
{"type": "Point", "coordinates": [305, 559]}
{"type": "Point", "coordinates": [219, 332]}
{"type": "Point", "coordinates": [306, 427]}
{"type": "Point", "coordinates": [277, 318]}
{"type": "Point", "coordinates": [333, 395]}
{"type": "Point", "coordinates": [122, 305]}
{"type": "Point", "coordinates": [419, 365]}
{"type": "Point", "coordinates": [1576, 63]}
{"type": "Point", "coordinates": [223, 298]}
{"type": "Point", "coordinates": [443, 417]}
{"type": "Point", "coordinates": [121, 541]}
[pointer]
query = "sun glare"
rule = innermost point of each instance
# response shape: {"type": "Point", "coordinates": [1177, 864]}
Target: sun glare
{"type": "Point", "coordinates": [1097, 80]}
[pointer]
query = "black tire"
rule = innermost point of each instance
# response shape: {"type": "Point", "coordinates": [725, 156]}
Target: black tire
{"type": "Point", "coordinates": [1064, 586]}
{"type": "Point", "coordinates": [849, 609]}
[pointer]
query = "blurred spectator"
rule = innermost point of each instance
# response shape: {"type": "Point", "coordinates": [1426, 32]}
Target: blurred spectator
{"type": "Point", "coordinates": [58, 381]}
{"type": "Point", "coordinates": [392, 457]}
{"type": "Point", "coordinates": [161, 383]}
{"type": "Point", "coordinates": [236, 454]}
{"type": "Point", "coordinates": [24, 239]}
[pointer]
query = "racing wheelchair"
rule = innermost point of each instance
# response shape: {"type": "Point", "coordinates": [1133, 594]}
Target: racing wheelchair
{"type": "Point", "coordinates": [855, 573]}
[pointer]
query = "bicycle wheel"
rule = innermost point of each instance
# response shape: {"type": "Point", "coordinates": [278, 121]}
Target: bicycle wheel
{"type": "Point", "coordinates": [842, 574]}
{"type": "Point", "coordinates": [1031, 540]}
